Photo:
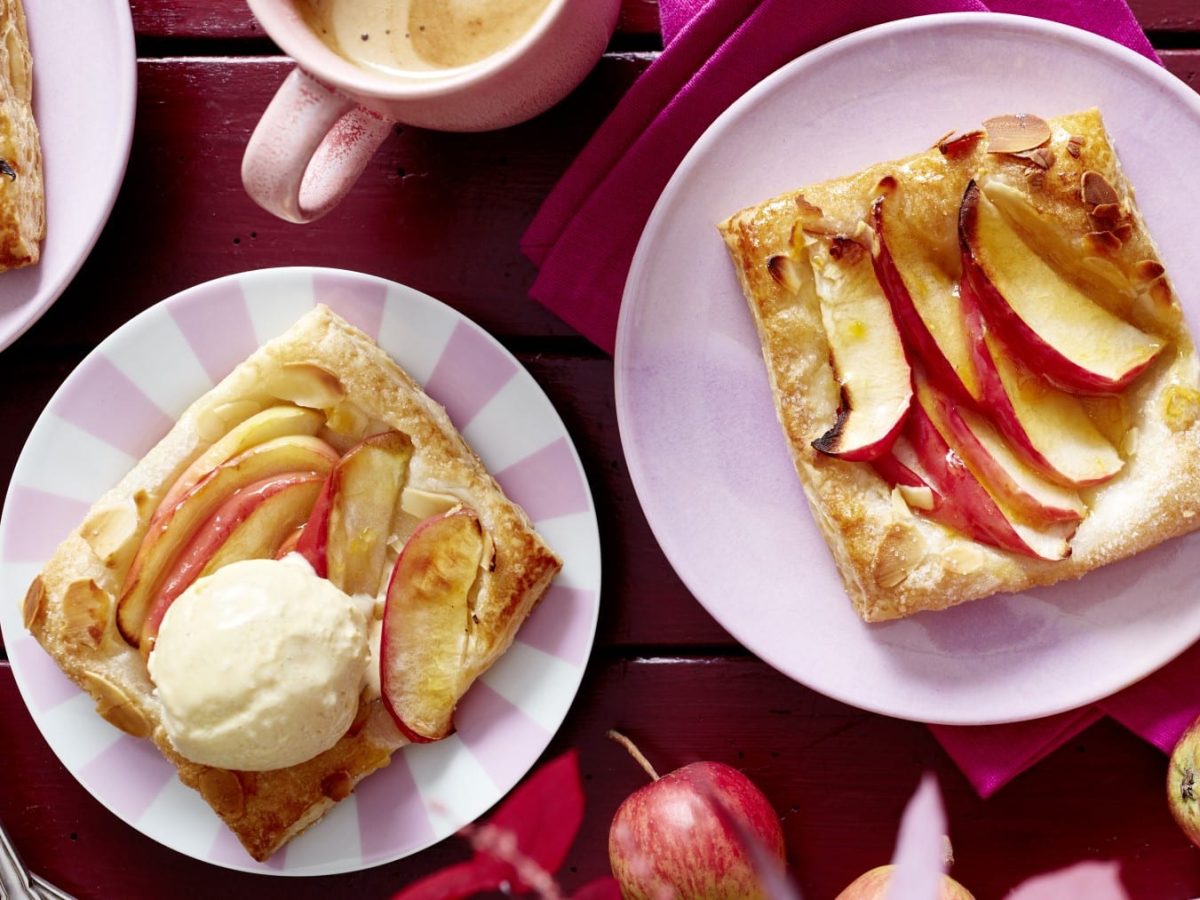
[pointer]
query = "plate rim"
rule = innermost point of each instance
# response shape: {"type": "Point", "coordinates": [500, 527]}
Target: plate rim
{"type": "Point", "coordinates": [184, 296]}
{"type": "Point", "coordinates": [640, 473]}
{"type": "Point", "coordinates": [126, 54]}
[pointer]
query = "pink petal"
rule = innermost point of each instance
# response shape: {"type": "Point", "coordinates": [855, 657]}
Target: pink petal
{"type": "Point", "coordinates": [920, 858]}
{"type": "Point", "coordinates": [1082, 881]}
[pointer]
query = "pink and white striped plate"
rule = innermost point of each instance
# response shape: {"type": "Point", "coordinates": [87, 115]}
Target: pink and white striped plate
{"type": "Point", "coordinates": [125, 395]}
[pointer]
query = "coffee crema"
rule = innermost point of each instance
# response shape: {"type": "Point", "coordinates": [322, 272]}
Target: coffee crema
{"type": "Point", "coordinates": [400, 37]}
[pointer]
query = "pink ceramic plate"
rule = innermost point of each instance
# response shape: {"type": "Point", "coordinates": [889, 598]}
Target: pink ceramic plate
{"type": "Point", "coordinates": [122, 399]}
{"type": "Point", "coordinates": [699, 430]}
{"type": "Point", "coordinates": [84, 86]}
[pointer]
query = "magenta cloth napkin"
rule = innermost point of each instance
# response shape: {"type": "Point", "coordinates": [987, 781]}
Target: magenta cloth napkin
{"type": "Point", "coordinates": [584, 236]}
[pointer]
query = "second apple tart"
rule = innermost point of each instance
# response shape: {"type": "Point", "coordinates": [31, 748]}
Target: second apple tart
{"type": "Point", "coordinates": [982, 371]}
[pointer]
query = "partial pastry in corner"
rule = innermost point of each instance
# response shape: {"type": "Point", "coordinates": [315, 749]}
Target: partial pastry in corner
{"type": "Point", "coordinates": [1052, 423]}
{"type": "Point", "coordinates": [22, 195]}
{"type": "Point", "coordinates": [227, 598]}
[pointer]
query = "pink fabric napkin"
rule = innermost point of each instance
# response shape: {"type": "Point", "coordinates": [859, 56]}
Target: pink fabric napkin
{"type": "Point", "coordinates": [585, 234]}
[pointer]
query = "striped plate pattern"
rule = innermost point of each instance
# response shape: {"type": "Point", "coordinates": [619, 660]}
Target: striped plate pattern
{"type": "Point", "coordinates": [126, 394]}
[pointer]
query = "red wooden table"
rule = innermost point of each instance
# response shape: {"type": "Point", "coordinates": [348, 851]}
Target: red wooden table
{"type": "Point", "coordinates": [662, 670]}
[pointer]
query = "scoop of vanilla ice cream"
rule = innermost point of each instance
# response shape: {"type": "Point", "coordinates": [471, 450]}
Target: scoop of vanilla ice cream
{"type": "Point", "coordinates": [259, 665]}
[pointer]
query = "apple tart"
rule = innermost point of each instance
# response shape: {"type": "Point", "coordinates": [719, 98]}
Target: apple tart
{"type": "Point", "coordinates": [316, 461]}
{"type": "Point", "coordinates": [983, 374]}
{"type": "Point", "coordinates": [22, 195]}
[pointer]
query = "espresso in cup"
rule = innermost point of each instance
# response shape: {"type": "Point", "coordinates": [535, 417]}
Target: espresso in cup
{"type": "Point", "coordinates": [400, 37]}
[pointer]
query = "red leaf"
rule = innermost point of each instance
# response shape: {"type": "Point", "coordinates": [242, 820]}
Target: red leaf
{"type": "Point", "coordinates": [453, 883]}
{"type": "Point", "coordinates": [544, 815]}
{"type": "Point", "coordinates": [605, 888]}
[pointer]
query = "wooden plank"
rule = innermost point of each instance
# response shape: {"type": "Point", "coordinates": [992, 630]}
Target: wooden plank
{"type": "Point", "coordinates": [232, 19]}
{"type": "Point", "coordinates": [1168, 15]}
{"type": "Point", "coordinates": [1185, 64]}
{"type": "Point", "coordinates": [838, 777]}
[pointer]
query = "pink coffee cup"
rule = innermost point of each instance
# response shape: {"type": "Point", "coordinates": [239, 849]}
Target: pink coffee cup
{"type": "Point", "coordinates": [329, 116]}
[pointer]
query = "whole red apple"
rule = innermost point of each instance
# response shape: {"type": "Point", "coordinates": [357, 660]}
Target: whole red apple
{"type": "Point", "coordinates": [1183, 791]}
{"type": "Point", "coordinates": [685, 835]}
{"type": "Point", "coordinates": [873, 885]}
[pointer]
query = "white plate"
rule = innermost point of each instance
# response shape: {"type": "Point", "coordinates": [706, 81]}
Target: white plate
{"type": "Point", "coordinates": [708, 458]}
{"type": "Point", "coordinates": [84, 90]}
{"type": "Point", "coordinates": [121, 400]}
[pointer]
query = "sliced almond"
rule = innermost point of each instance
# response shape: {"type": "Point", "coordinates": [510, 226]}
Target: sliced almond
{"type": "Point", "coordinates": [34, 604]}
{"type": "Point", "coordinates": [1096, 189]}
{"type": "Point", "coordinates": [336, 786]}
{"type": "Point", "coordinates": [1014, 134]}
{"type": "Point", "coordinates": [423, 504]}
{"type": "Point", "coordinates": [223, 791]}
{"type": "Point", "coordinates": [785, 272]}
{"type": "Point", "coordinates": [807, 209]}
{"type": "Point", "coordinates": [305, 384]}
{"type": "Point", "coordinates": [843, 248]}
{"type": "Point", "coordinates": [348, 420]}
{"type": "Point", "coordinates": [1160, 291]}
{"type": "Point", "coordinates": [1123, 232]}
{"type": "Point", "coordinates": [1107, 212]}
{"type": "Point", "coordinates": [111, 532]}
{"type": "Point", "coordinates": [115, 706]}
{"type": "Point", "coordinates": [1042, 157]}
{"type": "Point", "coordinates": [958, 146]}
{"type": "Point", "coordinates": [917, 497]}
{"type": "Point", "coordinates": [1074, 145]}
{"type": "Point", "coordinates": [1101, 242]}
{"type": "Point", "coordinates": [87, 611]}
{"type": "Point", "coordinates": [962, 557]}
{"type": "Point", "coordinates": [1148, 268]}
{"type": "Point", "coordinates": [900, 552]}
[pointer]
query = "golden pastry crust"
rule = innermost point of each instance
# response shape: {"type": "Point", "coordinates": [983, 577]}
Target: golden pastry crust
{"type": "Point", "coordinates": [70, 606]}
{"type": "Point", "coordinates": [895, 563]}
{"type": "Point", "coordinates": [22, 196]}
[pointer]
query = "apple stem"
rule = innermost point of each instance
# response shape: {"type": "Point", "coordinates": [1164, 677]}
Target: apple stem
{"type": "Point", "coordinates": [634, 752]}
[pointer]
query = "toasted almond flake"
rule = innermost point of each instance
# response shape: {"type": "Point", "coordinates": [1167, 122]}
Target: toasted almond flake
{"type": "Point", "coordinates": [87, 610]}
{"type": "Point", "coordinates": [115, 706]}
{"type": "Point", "coordinates": [223, 791]}
{"type": "Point", "coordinates": [917, 497]}
{"type": "Point", "coordinates": [1042, 157]}
{"type": "Point", "coordinates": [964, 558]}
{"type": "Point", "coordinates": [306, 384]}
{"type": "Point", "coordinates": [111, 532]}
{"type": "Point", "coordinates": [1074, 145]}
{"type": "Point", "coordinates": [1107, 212]}
{"type": "Point", "coordinates": [1124, 232]}
{"type": "Point", "coordinates": [1160, 291]}
{"type": "Point", "coordinates": [1148, 268]}
{"type": "Point", "coordinates": [900, 509]}
{"type": "Point", "coordinates": [887, 185]}
{"type": "Point", "coordinates": [34, 604]}
{"type": "Point", "coordinates": [783, 270]}
{"type": "Point", "coordinates": [941, 140]}
{"type": "Point", "coordinates": [806, 208]}
{"type": "Point", "coordinates": [846, 248]}
{"type": "Point", "coordinates": [1096, 189]}
{"type": "Point", "coordinates": [900, 552]}
{"type": "Point", "coordinates": [1102, 242]}
{"type": "Point", "coordinates": [960, 145]}
{"type": "Point", "coordinates": [1013, 134]}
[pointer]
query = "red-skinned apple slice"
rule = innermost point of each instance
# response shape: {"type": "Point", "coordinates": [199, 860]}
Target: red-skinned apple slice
{"type": "Point", "coordinates": [251, 524]}
{"type": "Point", "coordinates": [176, 526]}
{"type": "Point", "coordinates": [925, 302]}
{"type": "Point", "coordinates": [866, 350]}
{"type": "Point", "coordinates": [345, 538]}
{"type": "Point", "coordinates": [271, 423]}
{"type": "Point", "coordinates": [427, 623]}
{"type": "Point", "coordinates": [1049, 428]}
{"type": "Point", "coordinates": [960, 501]}
{"type": "Point", "coordinates": [1051, 324]}
{"type": "Point", "coordinates": [993, 462]}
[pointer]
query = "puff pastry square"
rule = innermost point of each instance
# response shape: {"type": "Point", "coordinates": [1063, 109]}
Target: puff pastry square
{"type": "Point", "coordinates": [899, 547]}
{"type": "Point", "coordinates": [324, 364]}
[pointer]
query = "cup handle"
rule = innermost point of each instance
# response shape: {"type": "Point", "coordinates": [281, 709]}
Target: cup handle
{"type": "Point", "coordinates": [309, 148]}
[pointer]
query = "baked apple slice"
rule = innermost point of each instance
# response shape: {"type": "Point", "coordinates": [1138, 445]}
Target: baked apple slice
{"type": "Point", "coordinates": [924, 300]}
{"type": "Point", "coordinates": [171, 531]}
{"type": "Point", "coordinates": [252, 524]}
{"type": "Point", "coordinates": [960, 501]}
{"type": "Point", "coordinates": [1054, 326]}
{"type": "Point", "coordinates": [1048, 427]}
{"type": "Point", "coordinates": [345, 539]}
{"type": "Point", "coordinates": [866, 350]}
{"type": "Point", "coordinates": [427, 623]}
{"type": "Point", "coordinates": [271, 423]}
{"type": "Point", "coordinates": [994, 463]}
